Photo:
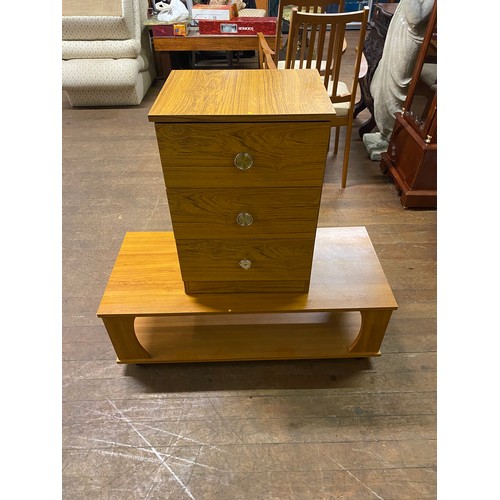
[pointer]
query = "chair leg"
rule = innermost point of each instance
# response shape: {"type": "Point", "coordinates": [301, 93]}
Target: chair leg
{"type": "Point", "coordinates": [346, 153]}
{"type": "Point", "coordinates": [336, 146]}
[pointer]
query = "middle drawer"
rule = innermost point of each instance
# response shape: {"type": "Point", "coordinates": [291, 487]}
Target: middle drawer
{"type": "Point", "coordinates": [244, 212]}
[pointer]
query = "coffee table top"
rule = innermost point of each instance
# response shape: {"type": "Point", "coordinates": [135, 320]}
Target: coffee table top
{"type": "Point", "coordinates": [346, 276]}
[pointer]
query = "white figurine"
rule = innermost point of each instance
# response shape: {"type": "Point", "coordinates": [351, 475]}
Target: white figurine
{"type": "Point", "coordinates": [176, 11]}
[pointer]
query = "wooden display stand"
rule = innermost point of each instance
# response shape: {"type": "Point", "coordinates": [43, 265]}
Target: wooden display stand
{"type": "Point", "coordinates": [150, 319]}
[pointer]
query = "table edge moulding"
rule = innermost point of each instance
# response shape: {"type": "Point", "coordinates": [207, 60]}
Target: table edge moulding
{"type": "Point", "coordinates": [264, 283]}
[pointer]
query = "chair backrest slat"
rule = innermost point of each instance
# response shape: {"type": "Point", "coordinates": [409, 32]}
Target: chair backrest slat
{"type": "Point", "coordinates": [317, 40]}
{"type": "Point", "coordinates": [314, 6]}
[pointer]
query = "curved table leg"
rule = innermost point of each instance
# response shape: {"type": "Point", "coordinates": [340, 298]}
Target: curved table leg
{"type": "Point", "coordinates": [371, 333]}
{"type": "Point", "coordinates": [122, 334]}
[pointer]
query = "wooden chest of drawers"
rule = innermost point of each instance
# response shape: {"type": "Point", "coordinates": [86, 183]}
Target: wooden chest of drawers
{"type": "Point", "coordinates": [243, 155]}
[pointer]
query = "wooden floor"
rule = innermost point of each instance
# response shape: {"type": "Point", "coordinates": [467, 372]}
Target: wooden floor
{"type": "Point", "coordinates": [358, 428]}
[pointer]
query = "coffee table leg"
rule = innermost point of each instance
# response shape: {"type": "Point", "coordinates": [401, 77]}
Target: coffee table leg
{"type": "Point", "coordinates": [371, 333]}
{"type": "Point", "coordinates": [122, 334]}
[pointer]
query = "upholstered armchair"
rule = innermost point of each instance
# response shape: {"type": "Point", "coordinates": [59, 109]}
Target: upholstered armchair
{"type": "Point", "coordinates": [106, 52]}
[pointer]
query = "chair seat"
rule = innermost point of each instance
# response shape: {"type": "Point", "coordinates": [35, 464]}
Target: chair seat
{"type": "Point", "coordinates": [341, 108]}
{"type": "Point", "coordinates": [101, 49]}
{"type": "Point", "coordinates": [107, 82]}
{"type": "Point", "coordinates": [88, 73]}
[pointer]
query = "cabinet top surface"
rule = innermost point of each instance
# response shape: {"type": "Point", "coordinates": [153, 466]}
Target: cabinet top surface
{"type": "Point", "coordinates": [248, 95]}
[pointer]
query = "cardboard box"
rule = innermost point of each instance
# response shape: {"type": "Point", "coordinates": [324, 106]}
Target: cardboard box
{"type": "Point", "coordinates": [176, 29]}
{"type": "Point", "coordinates": [214, 12]}
{"type": "Point", "coordinates": [181, 29]}
{"type": "Point", "coordinates": [239, 26]}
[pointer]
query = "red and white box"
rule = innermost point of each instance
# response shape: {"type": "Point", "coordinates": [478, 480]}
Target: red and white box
{"type": "Point", "coordinates": [214, 12]}
{"type": "Point", "coordinates": [239, 26]}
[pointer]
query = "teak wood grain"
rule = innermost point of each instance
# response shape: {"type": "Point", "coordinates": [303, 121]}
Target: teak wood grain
{"type": "Point", "coordinates": [268, 336]}
{"type": "Point", "coordinates": [197, 42]}
{"type": "Point", "coordinates": [273, 259]}
{"type": "Point", "coordinates": [202, 154]}
{"type": "Point", "coordinates": [277, 213]}
{"type": "Point", "coordinates": [146, 280]}
{"type": "Point", "coordinates": [197, 96]}
{"type": "Point", "coordinates": [339, 285]}
{"type": "Point", "coordinates": [280, 125]}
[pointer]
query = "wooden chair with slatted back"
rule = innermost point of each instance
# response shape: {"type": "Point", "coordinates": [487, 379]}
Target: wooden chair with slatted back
{"type": "Point", "coordinates": [315, 6]}
{"type": "Point", "coordinates": [317, 37]}
{"type": "Point", "coordinates": [266, 60]}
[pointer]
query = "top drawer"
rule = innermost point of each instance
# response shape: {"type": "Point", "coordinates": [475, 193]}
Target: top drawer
{"type": "Point", "coordinates": [282, 154]}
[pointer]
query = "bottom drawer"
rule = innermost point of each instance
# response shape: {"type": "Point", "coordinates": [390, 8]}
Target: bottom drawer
{"type": "Point", "coordinates": [246, 260]}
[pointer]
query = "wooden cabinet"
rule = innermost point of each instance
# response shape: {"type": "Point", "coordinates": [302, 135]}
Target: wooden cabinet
{"type": "Point", "coordinates": [243, 155]}
{"type": "Point", "coordinates": [411, 158]}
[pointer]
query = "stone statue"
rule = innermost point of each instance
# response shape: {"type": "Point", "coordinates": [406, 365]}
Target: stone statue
{"type": "Point", "coordinates": [393, 74]}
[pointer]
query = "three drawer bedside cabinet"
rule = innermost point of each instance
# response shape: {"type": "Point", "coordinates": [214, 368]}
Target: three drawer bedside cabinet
{"type": "Point", "coordinates": [243, 156]}
{"type": "Point", "coordinates": [245, 274]}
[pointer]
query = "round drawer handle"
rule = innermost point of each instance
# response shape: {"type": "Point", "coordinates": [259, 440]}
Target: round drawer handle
{"type": "Point", "coordinates": [244, 219]}
{"type": "Point", "coordinates": [245, 264]}
{"type": "Point", "coordinates": [243, 161]}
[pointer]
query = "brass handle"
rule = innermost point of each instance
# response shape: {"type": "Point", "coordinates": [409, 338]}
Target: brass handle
{"type": "Point", "coordinates": [245, 264]}
{"type": "Point", "coordinates": [244, 219]}
{"type": "Point", "coordinates": [243, 161]}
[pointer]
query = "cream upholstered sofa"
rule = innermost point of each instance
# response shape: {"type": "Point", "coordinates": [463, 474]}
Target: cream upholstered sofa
{"type": "Point", "coordinates": [106, 52]}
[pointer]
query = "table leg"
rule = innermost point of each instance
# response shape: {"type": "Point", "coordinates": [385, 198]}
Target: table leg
{"type": "Point", "coordinates": [122, 334]}
{"type": "Point", "coordinates": [371, 333]}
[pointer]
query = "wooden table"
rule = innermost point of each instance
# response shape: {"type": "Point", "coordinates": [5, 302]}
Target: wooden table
{"type": "Point", "coordinates": [194, 42]}
{"type": "Point", "coordinates": [150, 319]}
